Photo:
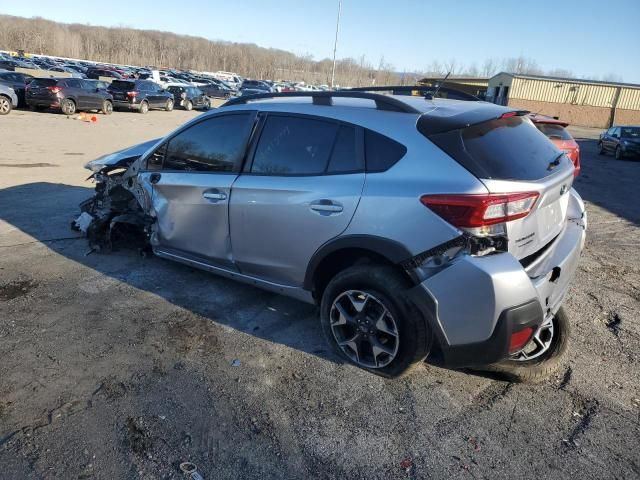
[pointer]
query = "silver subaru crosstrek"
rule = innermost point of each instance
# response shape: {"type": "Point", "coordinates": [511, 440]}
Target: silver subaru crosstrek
{"type": "Point", "coordinates": [420, 226]}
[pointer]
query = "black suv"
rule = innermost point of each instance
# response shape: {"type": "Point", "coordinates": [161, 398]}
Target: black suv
{"type": "Point", "coordinates": [189, 97]}
{"type": "Point", "coordinates": [621, 140]}
{"type": "Point", "coordinates": [140, 95]}
{"type": "Point", "coordinates": [214, 88]}
{"type": "Point", "coordinates": [17, 81]}
{"type": "Point", "coordinates": [67, 94]}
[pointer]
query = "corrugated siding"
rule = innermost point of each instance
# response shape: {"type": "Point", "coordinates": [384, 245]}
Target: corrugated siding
{"type": "Point", "coordinates": [629, 99]}
{"type": "Point", "coordinates": [562, 92]}
{"type": "Point", "coordinates": [574, 93]}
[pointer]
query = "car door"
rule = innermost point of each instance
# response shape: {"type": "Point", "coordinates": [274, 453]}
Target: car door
{"type": "Point", "coordinates": [300, 190]}
{"type": "Point", "coordinates": [73, 89]}
{"type": "Point", "coordinates": [614, 140]}
{"type": "Point", "coordinates": [91, 95]}
{"type": "Point", "coordinates": [190, 177]}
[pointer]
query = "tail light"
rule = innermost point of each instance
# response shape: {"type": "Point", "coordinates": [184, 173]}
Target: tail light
{"type": "Point", "coordinates": [519, 339]}
{"type": "Point", "coordinates": [483, 210]}
{"type": "Point", "coordinates": [132, 94]}
{"type": "Point", "coordinates": [54, 89]}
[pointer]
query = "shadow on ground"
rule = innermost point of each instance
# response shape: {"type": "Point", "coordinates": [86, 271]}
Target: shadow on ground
{"type": "Point", "coordinates": [44, 211]}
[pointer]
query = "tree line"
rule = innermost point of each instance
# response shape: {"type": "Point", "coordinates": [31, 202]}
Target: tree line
{"type": "Point", "coordinates": [128, 46]}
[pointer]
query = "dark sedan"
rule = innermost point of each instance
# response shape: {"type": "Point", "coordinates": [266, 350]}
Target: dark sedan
{"type": "Point", "coordinates": [621, 140]}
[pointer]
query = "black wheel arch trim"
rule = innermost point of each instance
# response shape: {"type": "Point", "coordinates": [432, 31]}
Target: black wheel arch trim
{"type": "Point", "coordinates": [393, 251]}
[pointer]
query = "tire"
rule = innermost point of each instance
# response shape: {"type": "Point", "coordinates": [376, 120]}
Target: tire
{"type": "Point", "coordinates": [380, 292]}
{"type": "Point", "coordinates": [601, 150]}
{"type": "Point", "coordinates": [5, 105]}
{"type": "Point", "coordinates": [207, 105]}
{"type": "Point", "coordinates": [107, 107]}
{"type": "Point", "coordinates": [619, 154]}
{"type": "Point", "coordinates": [188, 105]}
{"type": "Point", "coordinates": [539, 369]}
{"type": "Point", "coordinates": [144, 107]}
{"type": "Point", "coordinates": [169, 105]}
{"type": "Point", "coordinates": [68, 106]}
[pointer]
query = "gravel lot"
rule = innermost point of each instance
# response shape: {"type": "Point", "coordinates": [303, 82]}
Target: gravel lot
{"type": "Point", "coordinates": [117, 366]}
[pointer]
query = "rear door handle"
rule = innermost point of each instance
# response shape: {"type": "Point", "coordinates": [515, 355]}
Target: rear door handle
{"type": "Point", "coordinates": [214, 196]}
{"type": "Point", "coordinates": [326, 207]}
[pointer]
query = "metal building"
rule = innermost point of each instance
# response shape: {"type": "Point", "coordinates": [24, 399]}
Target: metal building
{"type": "Point", "coordinates": [580, 102]}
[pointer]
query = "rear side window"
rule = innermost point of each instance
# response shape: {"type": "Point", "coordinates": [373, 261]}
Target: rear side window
{"type": "Point", "coordinates": [122, 85]}
{"type": "Point", "coordinates": [213, 145]}
{"type": "Point", "coordinates": [305, 146]}
{"type": "Point", "coordinates": [381, 152]}
{"type": "Point", "coordinates": [73, 83]}
{"type": "Point", "coordinates": [506, 148]}
{"type": "Point", "coordinates": [555, 132]}
{"type": "Point", "coordinates": [43, 82]}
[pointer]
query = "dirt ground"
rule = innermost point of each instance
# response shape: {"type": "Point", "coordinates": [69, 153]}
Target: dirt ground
{"type": "Point", "coordinates": [114, 366]}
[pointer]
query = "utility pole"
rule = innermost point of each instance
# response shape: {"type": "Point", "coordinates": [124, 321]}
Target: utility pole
{"type": "Point", "coordinates": [335, 44]}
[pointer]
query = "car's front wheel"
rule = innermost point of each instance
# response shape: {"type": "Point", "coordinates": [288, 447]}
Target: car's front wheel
{"type": "Point", "coordinates": [619, 153]}
{"type": "Point", "coordinates": [5, 105]}
{"type": "Point", "coordinates": [188, 105]}
{"type": "Point", "coordinates": [601, 150]}
{"type": "Point", "coordinates": [169, 105]}
{"type": "Point", "coordinates": [368, 320]}
{"type": "Point", "coordinates": [542, 356]}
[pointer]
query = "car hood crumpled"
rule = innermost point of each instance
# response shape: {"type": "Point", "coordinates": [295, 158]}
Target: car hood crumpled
{"type": "Point", "coordinates": [121, 158]}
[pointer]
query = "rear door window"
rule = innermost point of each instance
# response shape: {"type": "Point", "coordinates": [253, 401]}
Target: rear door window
{"type": "Point", "coordinates": [297, 145]}
{"type": "Point", "coordinates": [506, 148]}
{"type": "Point", "coordinates": [213, 145]}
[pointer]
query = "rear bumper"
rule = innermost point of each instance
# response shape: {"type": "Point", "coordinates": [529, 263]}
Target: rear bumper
{"type": "Point", "coordinates": [475, 303]}
{"type": "Point", "coordinates": [126, 104]}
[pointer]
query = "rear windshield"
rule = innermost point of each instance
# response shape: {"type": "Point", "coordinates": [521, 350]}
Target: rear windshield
{"type": "Point", "coordinates": [122, 85]}
{"type": "Point", "coordinates": [505, 149]}
{"type": "Point", "coordinates": [43, 82]}
{"type": "Point", "coordinates": [554, 131]}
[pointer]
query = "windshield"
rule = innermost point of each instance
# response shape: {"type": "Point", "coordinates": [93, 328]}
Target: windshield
{"type": "Point", "coordinates": [630, 132]}
{"type": "Point", "coordinates": [554, 131]}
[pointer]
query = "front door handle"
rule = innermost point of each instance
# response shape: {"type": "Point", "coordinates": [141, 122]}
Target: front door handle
{"type": "Point", "coordinates": [326, 207]}
{"type": "Point", "coordinates": [215, 196]}
{"type": "Point", "coordinates": [154, 178]}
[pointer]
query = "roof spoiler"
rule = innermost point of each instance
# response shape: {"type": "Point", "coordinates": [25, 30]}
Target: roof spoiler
{"type": "Point", "coordinates": [444, 120]}
{"type": "Point", "coordinates": [419, 90]}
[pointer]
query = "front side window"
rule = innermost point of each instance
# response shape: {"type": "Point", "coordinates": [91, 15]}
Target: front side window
{"type": "Point", "coordinates": [304, 146]}
{"type": "Point", "coordinates": [213, 145]}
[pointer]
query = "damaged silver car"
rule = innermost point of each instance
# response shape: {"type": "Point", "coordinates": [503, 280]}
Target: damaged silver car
{"type": "Point", "coordinates": [420, 226]}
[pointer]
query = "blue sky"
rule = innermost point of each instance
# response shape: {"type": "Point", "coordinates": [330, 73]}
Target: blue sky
{"type": "Point", "coordinates": [587, 37]}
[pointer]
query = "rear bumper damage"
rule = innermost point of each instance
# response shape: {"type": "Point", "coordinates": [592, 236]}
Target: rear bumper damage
{"type": "Point", "coordinates": [474, 304]}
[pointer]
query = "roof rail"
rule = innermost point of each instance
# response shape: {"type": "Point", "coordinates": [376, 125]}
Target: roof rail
{"type": "Point", "coordinates": [383, 102]}
{"type": "Point", "coordinates": [426, 90]}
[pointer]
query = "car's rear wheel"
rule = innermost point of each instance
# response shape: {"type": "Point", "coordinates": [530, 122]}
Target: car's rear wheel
{"type": "Point", "coordinates": [619, 153]}
{"type": "Point", "coordinates": [144, 107]}
{"type": "Point", "coordinates": [368, 320]}
{"type": "Point", "coordinates": [68, 106]}
{"type": "Point", "coordinates": [169, 105]}
{"type": "Point", "coordinates": [601, 150]}
{"type": "Point", "coordinates": [107, 107]}
{"type": "Point", "coordinates": [5, 105]}
{"type": "Point", "coordinates": [542, 356]}
{"type": "Point", "coordinates": [188, 105]}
